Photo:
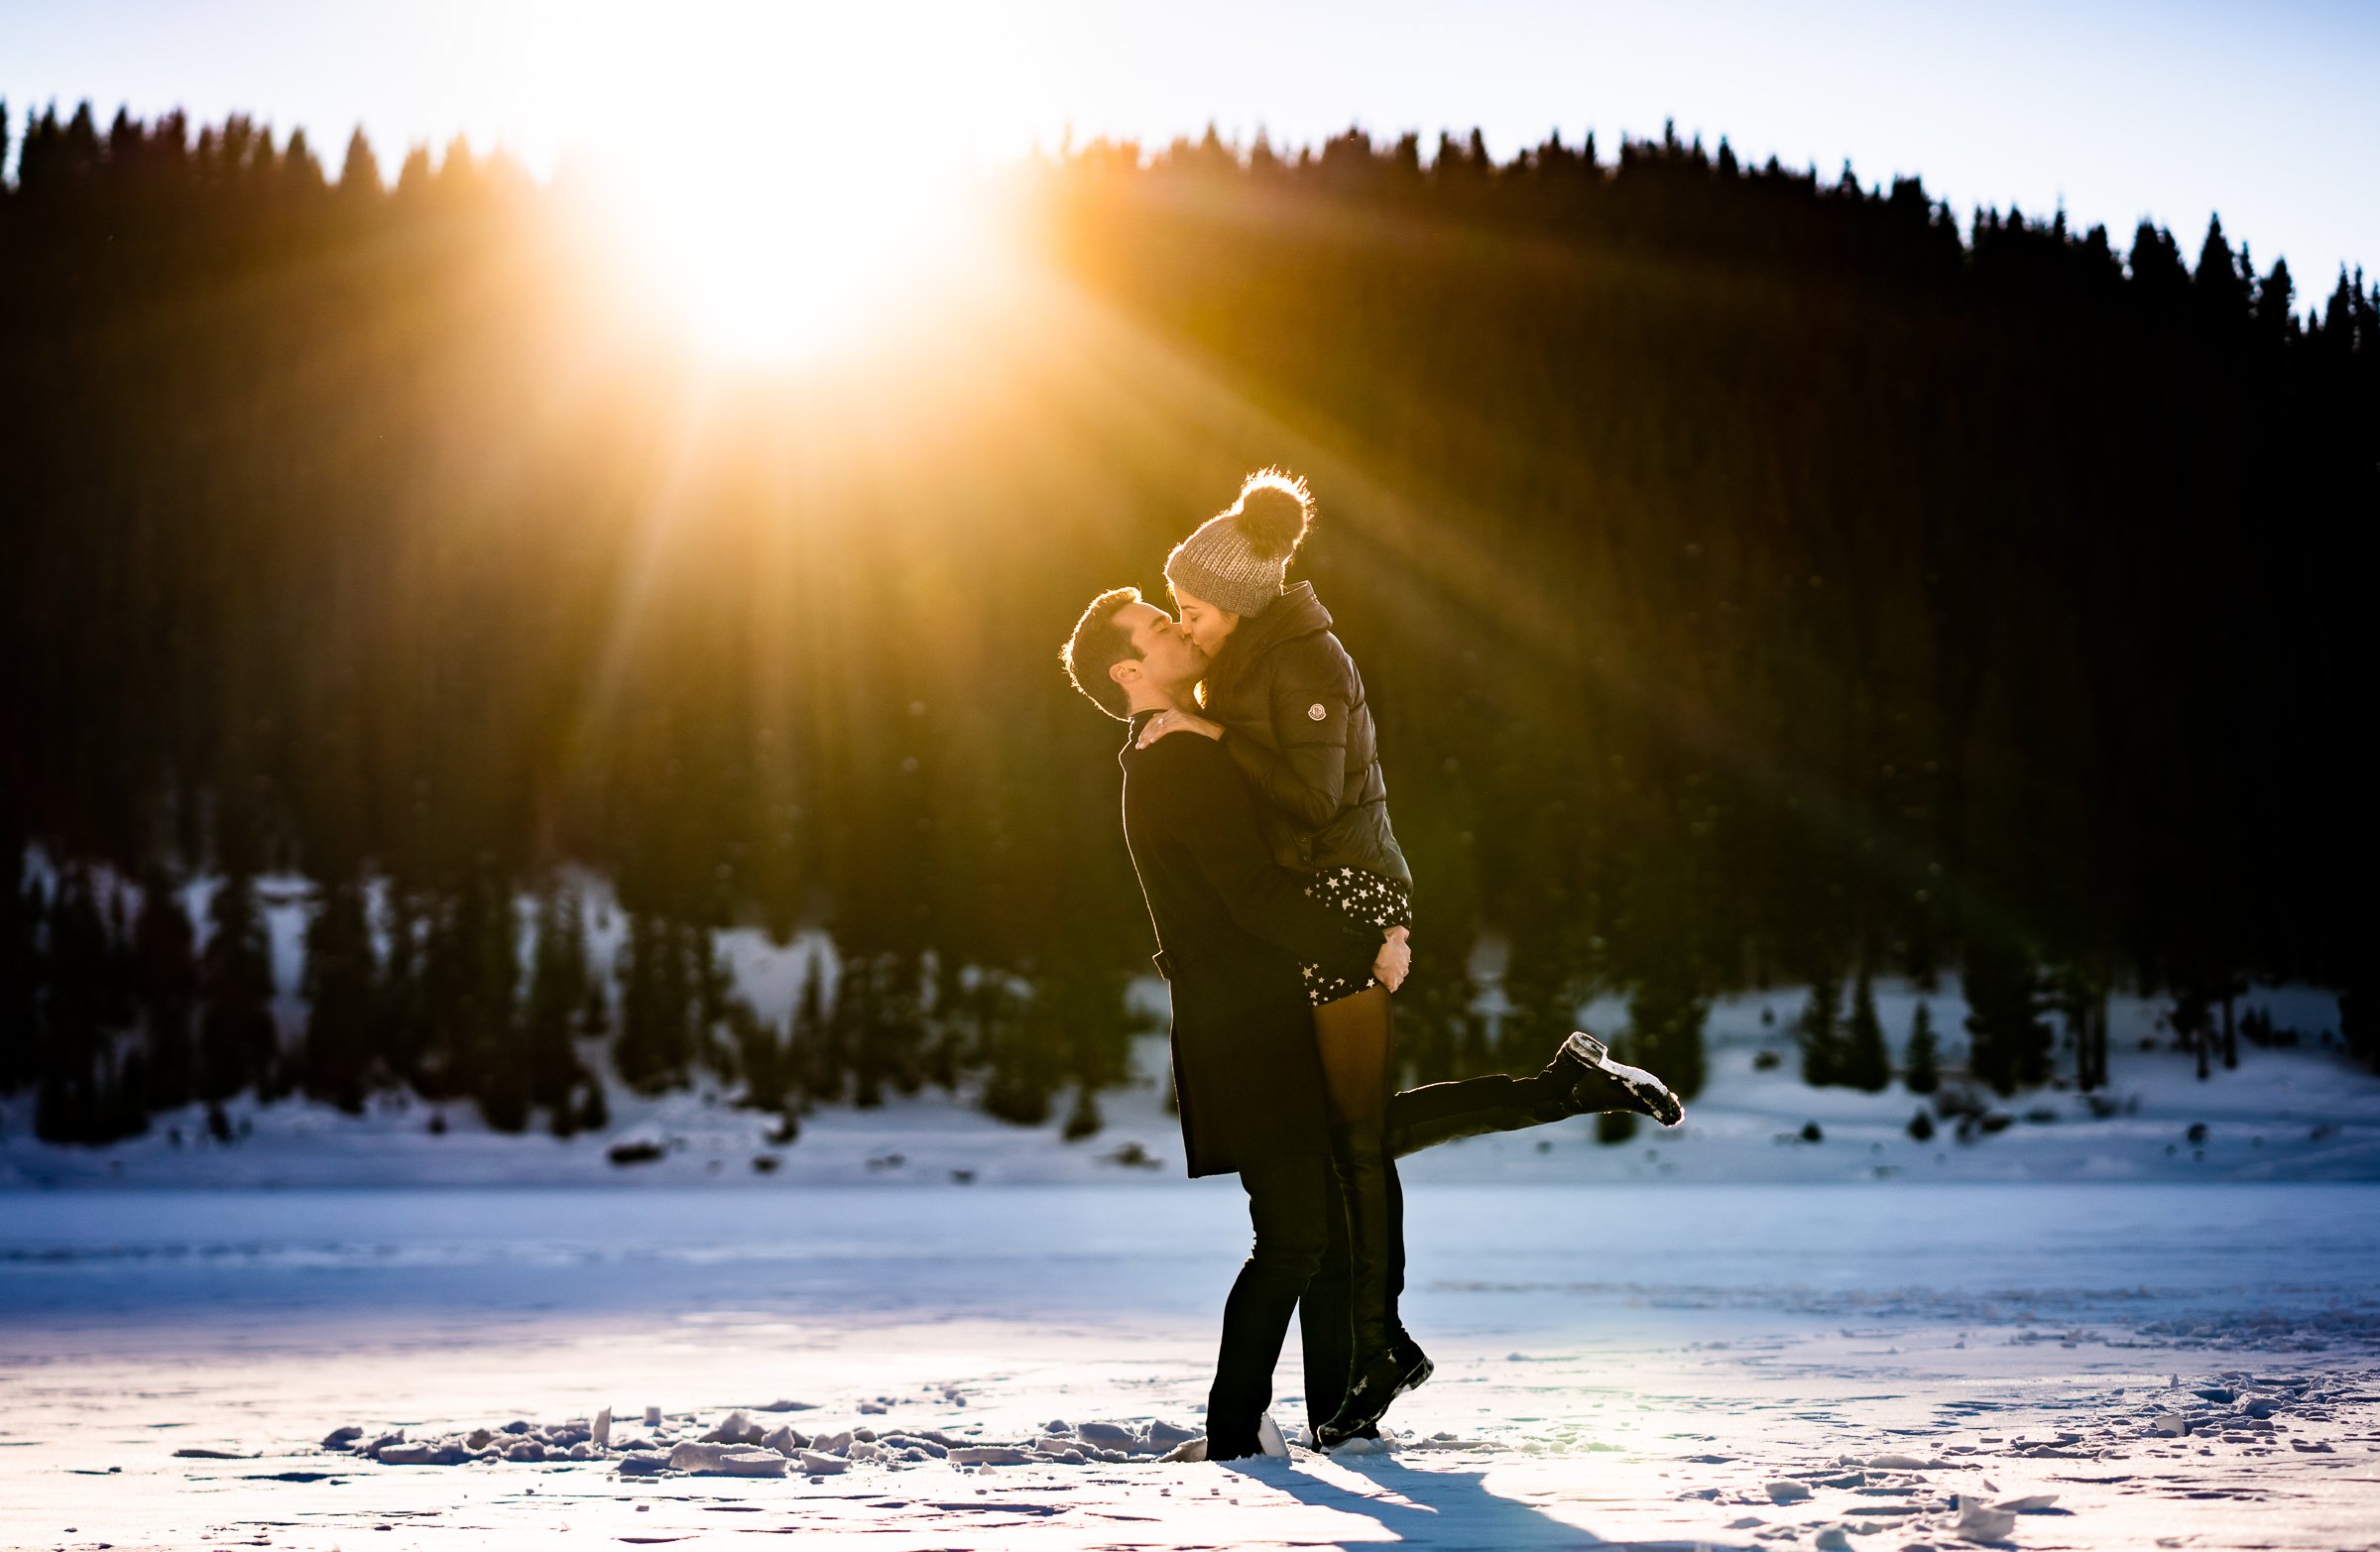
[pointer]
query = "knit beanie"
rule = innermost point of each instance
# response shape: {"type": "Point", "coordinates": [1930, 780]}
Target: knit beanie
{"type": "Point", "coordinates": [1234, 560]}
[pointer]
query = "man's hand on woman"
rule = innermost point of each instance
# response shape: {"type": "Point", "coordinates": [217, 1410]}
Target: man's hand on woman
{"type": "Point", "coordinates": [1395, 959]}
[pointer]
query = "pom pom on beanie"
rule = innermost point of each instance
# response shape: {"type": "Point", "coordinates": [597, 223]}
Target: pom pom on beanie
{"type": "Point", "coordinates": [1236, 561]}
{"type": "Point", "coordinates": [1275, 510]}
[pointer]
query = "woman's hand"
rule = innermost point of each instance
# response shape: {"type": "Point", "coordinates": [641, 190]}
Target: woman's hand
{"type": "Point", "coordinates": [1394, 960]}
{"type": "Point", "coordinates": [1165, 722]}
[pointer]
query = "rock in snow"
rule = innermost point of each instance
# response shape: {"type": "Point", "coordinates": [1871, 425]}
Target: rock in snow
{"type": "Point", "coordinates": [342, 1438]}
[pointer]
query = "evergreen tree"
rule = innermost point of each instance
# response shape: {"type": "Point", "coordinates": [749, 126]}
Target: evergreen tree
{"type": "Point", "coordinates": [1083, 1121]}
{"type": "Point", "coordinates": [660, 1007]}
{"type": "Point", "coordinates": [20, 964]}
{"type": "Point", "coordinates": [470, 987]}
{"type": "Point", "coordinates": [765, 1058]}
{"type": "Point", "coordinates": [1921, 1060]}
{"type": "Point", "coordinates": [1022, 1061]}
{"type": "Point", "coordinates": [359, 174]}
{"type": "Point", "coordinates": [401, 1016]}
{"type": "Point", "coordinates": [1817, 1031]}
{"type": "Point", "coordinates": [239, 1046]}
{"type": "Point", "coordinates": [858, 1024]}
{"type": "Point", "coordinates": [72, 1103]}
{"type": "Point", "coordinates": [164, 960]}
{"type": "Point", "coordinates": [2008, 1045]}
{"type": "Point", "coordinates": [558, 985]}
{"type": "Point", "coordinates": [339, 984]}
{"type": "Point", "coordinates": [1439, 1034]}
{"type": "Point", "coordinates": [812, 1069]}
{"type": "Point", "coordinates": [1867, 1064]}
{"type": "Point", "coordinates": [1665, 1026]}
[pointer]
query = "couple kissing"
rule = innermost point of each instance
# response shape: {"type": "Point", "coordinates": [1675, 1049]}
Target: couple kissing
{"type": "Point", "coordinates": [1256, 815]}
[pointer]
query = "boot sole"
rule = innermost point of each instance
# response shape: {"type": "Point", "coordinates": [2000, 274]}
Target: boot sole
{"type": "Point", "coordinates": [1652, 1096]}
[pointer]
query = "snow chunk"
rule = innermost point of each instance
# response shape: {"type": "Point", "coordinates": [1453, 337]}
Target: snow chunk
{"type": "Point", "coordinates": [726, 1460]}
{"type": "Point", "coordinates": [1980, 1522]}
{"type": "Point", "coordinates": [734, 1428]}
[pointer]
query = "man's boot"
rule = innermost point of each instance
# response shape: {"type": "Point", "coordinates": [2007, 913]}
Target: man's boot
{"type": "Point", "coordinates": [1379, 1375]}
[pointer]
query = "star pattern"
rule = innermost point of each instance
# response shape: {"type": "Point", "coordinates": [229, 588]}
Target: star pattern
{"type": "Point", "coordinates": [1370, 898]}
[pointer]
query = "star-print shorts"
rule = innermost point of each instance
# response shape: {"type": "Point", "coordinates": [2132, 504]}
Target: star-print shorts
{"type": "Point", "coordinates": [1370, 898]}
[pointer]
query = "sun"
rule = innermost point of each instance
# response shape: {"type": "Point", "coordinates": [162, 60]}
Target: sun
{"type": "Point", "coordinates": [769, 265]}
{"type": "Point", "coordinates": [794, 180]}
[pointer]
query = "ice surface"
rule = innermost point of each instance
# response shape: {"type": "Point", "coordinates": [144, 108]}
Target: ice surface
{"type": "Point", "coordinates": [1890, 1350]}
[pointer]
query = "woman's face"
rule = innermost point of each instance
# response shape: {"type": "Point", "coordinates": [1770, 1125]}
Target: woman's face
{"type": "Point", "coordinates": [1207, 626]}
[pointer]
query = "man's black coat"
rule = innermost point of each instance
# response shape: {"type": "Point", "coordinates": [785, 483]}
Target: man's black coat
{"type": "Point", "coordinates": [1232, 926]}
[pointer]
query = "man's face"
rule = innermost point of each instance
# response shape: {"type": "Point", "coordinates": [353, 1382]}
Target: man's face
{"type": "Point", "coordinates": [1168, 658]}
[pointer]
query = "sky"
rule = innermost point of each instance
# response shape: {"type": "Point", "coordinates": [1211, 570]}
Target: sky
{"type": "Point", "coordinates": [2115, 110]}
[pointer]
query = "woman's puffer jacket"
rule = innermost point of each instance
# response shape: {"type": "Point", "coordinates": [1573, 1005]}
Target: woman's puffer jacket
{"type": "Point", "coordinates": [1292, 710]}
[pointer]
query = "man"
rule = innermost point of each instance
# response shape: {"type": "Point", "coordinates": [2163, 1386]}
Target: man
{"type": "Point", "coordinates": [1231, 927]}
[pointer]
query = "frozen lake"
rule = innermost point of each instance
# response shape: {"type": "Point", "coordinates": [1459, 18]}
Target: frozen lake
{"type": "Point", "coordinates": [1636, 1364]}
{"type": "Point", "coordinates": [1483, 1257]}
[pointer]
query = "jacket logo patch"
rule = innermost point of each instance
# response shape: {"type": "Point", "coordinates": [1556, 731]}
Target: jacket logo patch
{"type": "Point", "coordinates": [1315, 713]}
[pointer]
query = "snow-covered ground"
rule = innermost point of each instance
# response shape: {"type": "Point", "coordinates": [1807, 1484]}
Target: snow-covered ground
{"type": "Point", "coordinates": [2300, 1112]}
{"type": "Point", "coordinates": [1822, 1367]}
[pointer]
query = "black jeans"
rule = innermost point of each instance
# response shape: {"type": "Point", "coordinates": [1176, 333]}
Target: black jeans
{"type": "Point", "coordinates": [1292, 1204]}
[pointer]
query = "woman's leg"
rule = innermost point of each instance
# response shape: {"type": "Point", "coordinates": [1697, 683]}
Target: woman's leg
{"type": "Point", "coordinates": [1439, 1113]}
{"type": "Point", "coordinates": [1352, 1035]}
{"type": "Point", "coordinates": [1574, 1083]}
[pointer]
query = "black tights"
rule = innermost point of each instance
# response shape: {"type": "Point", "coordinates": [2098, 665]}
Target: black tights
{"type": "Point", "coordinates": [1359, 1049]}
{"type": "Point", "coordinates": [1365, 1272]}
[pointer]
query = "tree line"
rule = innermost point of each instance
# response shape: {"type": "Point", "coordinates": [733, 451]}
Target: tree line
{"type": "Point", "coordinates": [1759, 577]}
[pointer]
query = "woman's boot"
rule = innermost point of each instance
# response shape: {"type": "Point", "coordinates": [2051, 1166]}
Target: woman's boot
{"type": "Point", "coordinates": [1356, 1150]}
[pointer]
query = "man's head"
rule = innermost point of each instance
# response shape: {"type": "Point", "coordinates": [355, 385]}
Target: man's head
{"type": "Point", "coordinates": [1129, 655]}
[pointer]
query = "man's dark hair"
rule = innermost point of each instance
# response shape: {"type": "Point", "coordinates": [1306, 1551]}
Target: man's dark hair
{"type": "Point", "coordinates": [1098, 645]}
